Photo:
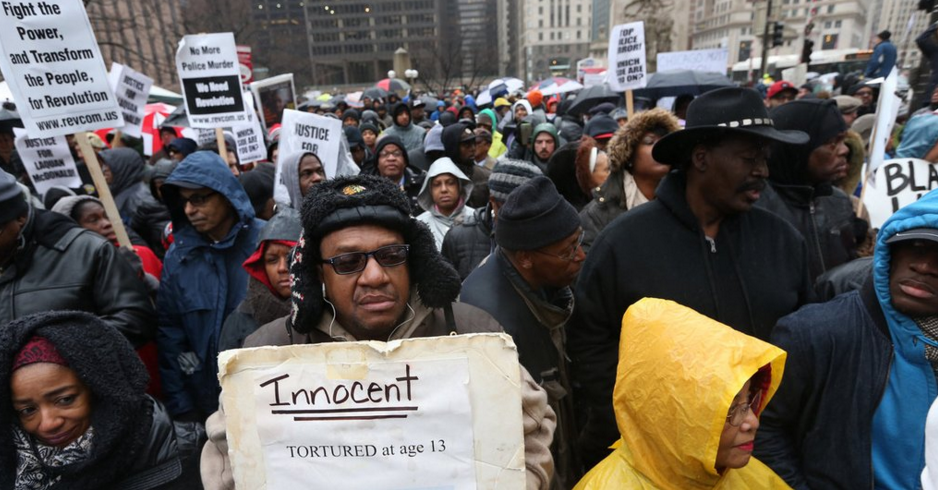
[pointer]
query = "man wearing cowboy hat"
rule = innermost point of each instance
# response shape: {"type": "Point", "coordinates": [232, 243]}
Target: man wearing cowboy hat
{"type": "Point", "coordinates": [700, 243]}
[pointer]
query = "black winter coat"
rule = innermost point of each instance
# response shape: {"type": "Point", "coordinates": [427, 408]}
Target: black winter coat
{"type": "Point", "coordinates": [823, 215]}
{"type": "Point", "coordinates": [753, 273]}
{"type": "Point", "coordinates": [607, 204]}
{"type": "Point", "coordinates": [65, 267]}
{"type": "Point", "coordinates": [467, 243]}
{"type": "Point", "coordinates": [839, 355]}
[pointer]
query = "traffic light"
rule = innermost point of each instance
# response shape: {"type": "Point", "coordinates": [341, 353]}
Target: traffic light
{"type": "Point", "coordinates": [806, 51]}
{"type": "Point", "coordinates": [778, 34]}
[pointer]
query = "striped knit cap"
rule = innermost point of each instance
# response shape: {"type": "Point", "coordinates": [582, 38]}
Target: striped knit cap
{"type": "Point", "coordinates": [509, 174]}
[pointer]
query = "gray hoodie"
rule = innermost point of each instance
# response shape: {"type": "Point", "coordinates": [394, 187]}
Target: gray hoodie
{"type": "Point", "coordinates": [437, 222]}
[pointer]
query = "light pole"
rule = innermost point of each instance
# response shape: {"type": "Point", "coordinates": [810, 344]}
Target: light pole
{"type": "Point", "coordinates": [766, 40]}
{"type": "Point", "coordinates": [411, 75]}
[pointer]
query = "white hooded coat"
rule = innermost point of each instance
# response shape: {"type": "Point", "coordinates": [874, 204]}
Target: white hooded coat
{"type": "Point", "coordinates": [440, 224]}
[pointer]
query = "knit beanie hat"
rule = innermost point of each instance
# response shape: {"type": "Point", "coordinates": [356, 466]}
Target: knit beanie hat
{"type": "Point", "coordinates": [534, 216]}
{"type": "Point", "coordinates": [355, 200]}
{"type": "Point", "coordinates": [12, 201]}
{"type": "Point", "coordinates": [369, 126]}
{"type": "Point", "coordinates": [434, 139]}
{"type": "Point", "coordinates": [37, 350]}
{"type": "Point", "coordinates": [535, 97]}
{"type": "Point", "coordinates": [508, 174]}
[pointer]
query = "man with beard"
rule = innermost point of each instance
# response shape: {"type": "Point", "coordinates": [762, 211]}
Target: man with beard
{"type": "Point", "coordinates": [699, 243]}
{"type": "Point", "coordinates": [801, 177]}
{"type": "Point", "coordinates": [412, 136]}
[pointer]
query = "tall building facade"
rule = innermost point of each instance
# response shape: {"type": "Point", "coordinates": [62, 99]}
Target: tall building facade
{"type": "Point", "coordinates": [835, 24]}
{"type": "Point", "coordinates": [555, 34]}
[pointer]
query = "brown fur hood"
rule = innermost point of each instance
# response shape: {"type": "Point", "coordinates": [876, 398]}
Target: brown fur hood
{"type": "Point", "coordinates": [626, 139]}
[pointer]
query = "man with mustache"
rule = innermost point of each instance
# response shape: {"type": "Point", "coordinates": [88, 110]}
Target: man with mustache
{"type": "Point", "coordinates": [700, 243]}
{"type": "Point", "coordinates": [861, 370]}
{"type": "Point", "coordinates": [801, 188]}
{"type": "Point", "coordinates": [364, 269]}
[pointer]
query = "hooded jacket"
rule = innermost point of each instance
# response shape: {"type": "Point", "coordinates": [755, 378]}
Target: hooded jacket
{"type": "Point", "coordinates": [498, 147]}
{"type": "Point", "coordinates": [466, 244]}
{"type": "Point", "coordinates": [262, 304]}
{"type": "Point", "coordinates": [202, 283]}
{"type": "Point", "coordinates": [413, 177]}
{"type": "Point", "coordinates": [438, 223]}
{"type": "Point", "coordinates": [290, 178]}
{"type": "Point", "coordinates": [610, 199]}
{"type": "Point", "coordinates": [134, 443]}
{"type": "Point", "coordinates": [753, 273]}
{"type": "Point", "coordinates": [521, 152]}
{"type": "Point", "coordinates": [451, 138]}
{"type": "Point", "coordinates": [138, 209]}
{"type": "Point", "coordinates": [411, 135]}
{"type": "Point", "coordinates": [678, 375]}
{"type": "Point", "coordinates": [822, 213]}
{"type": "Point", "coordinates": [854, 351]}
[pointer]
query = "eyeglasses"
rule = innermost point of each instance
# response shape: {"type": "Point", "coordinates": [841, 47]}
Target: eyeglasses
{"type": "Point", "coordinates": [391, 153]}
{"type": "Point", "coordinates": [350, 263]}
{"type": "Point", "coordinates": [570, 254]}
{"type": "Point", "coordinates": [738, 413]}
{"type": "Point", "coordinates": [197, 200]}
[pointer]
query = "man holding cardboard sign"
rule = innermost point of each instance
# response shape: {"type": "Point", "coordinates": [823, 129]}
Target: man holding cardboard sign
{"type": "Point", "coordinates": [365, 270]}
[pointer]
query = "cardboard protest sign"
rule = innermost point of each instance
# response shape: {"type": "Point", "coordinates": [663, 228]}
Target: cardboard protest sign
{"type": "Point", "coordinates": [48, 161]}
{"type": "Point", "coordinates": [302, 132]}
{"type": "Point", "coordinates": [249, 138]}
{"type": "Point", "coordinates": [887, 108]}
{"type": "Point", "coordinates": [51, 61]}
{"type": "Point", "coordinates": [273, 96]}
{"type": "Point", "coordinates": [210, 76]}
{"type": "Point", "coordinates": [627, 57]}
{"type": "Point", "coordinates": [131, 89]}
{"type": "Point", "coordinates": [441, 412]}
{"type": "Point", "coordinates": [895, 184]}
{"type": "Point", "coordinates": [714, 60]}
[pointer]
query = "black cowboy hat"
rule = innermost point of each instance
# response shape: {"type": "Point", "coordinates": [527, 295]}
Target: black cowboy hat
{"type": "Point", "coordinates": [719, 112]}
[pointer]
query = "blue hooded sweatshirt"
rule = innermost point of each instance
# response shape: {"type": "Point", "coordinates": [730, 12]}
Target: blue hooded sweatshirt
{"type": "Point", "coordinates": [899, 421]}
{"type": "Point", "coordinates": [202, 282]}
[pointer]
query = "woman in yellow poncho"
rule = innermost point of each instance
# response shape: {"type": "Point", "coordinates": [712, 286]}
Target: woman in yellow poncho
{"type": "Point", "coordinates": [687, 398]}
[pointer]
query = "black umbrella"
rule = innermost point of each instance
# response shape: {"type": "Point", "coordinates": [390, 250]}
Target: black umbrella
{"type": "Point", "coordinates": [375, 93]}
{"type": "Point", "coordinates": [9, 118]}
{"type": "Point", "coordinates": [672, 83]}
{"type": "Point", "coordinates": [429, 101]}
{"type": "Point", "coordinates": [591, 97]}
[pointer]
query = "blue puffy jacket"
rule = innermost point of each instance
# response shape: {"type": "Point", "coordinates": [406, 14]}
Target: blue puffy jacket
{"type": "Point", "coordinates": [202, 283]}
{"type": "Point", "coordinates": [881, 61]}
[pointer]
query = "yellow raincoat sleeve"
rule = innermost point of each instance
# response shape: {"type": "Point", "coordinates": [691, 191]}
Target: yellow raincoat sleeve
{"type": "Point", "coordinates": [677, 375]}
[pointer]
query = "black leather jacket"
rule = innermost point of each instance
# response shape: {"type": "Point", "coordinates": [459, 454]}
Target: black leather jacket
{"type": "Point", "coordinates": [467, 243]}
{"type": "Point", "coordinates": [61, 266]}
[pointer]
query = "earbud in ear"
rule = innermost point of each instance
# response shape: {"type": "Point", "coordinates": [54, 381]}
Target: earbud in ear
{"type": "Point", "coordinates": [323, 290]}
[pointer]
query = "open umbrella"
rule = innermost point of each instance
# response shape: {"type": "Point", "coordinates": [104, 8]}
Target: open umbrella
{"type": "Point", "coordinates": [507, 84]}
{"type": "Point", "coordinates": [9, 118]}
{"type": "Point", "coordinates": [375, 93]}
{"type": "Point", "coordinates": [178, 118]}
{"type": "Point", "coordinates": [591, 97]}
{"type": "Point", "coordinates": [568, 86]}
{"type": "Point", "coordinates": [549, 82]}
{"type": "Point", "coordinates": [395, 85]}
{"type": "Point", "coordinates": [672, 83]}
{"type": "Point", "coordinates": [154, 115]}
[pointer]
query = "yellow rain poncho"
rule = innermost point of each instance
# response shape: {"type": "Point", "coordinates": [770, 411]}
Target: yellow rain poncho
{"type": "Point", "coordinates": [678, 374]}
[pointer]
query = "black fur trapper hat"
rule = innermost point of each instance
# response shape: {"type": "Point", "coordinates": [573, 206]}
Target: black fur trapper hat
{"type": "Point", "coordinates": [364, 199]}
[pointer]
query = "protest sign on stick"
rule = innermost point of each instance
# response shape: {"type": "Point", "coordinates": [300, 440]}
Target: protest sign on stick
{"type": "Point", "coordinates": [210, 76]}
{"type": "Point", "coordinates": [895, 184]}
{"type": "Point", "coordinates": [441, 412]}
{"type": "Point", "coordinates": [48, 161]}
{"type": "Point", "coordinates": [626, 70]}
{"type": "Point", "coordinates": [51, 61]}
{"type": "Point", "coordinates": [249, 139]}
{"type": "Point", "coordinates": [887, 108]}
{"type": "Point", "coordinates": [713, 60]}
{"type": "Point", "coordinates": [131, 89]}
{"type": "Point", "coordinates": [302, 133]}
{"type": "Point", "coordinates": [104, 192]}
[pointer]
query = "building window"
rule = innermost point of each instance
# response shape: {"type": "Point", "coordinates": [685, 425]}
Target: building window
{"type": "Point", "coordinates": [540, 36]}
{"type": "Point", "coordinates": [827, 25]}
{"type": "Point", "coordinates": [830, 10]}
{"type": "Point", "coordinates": [837, 24]}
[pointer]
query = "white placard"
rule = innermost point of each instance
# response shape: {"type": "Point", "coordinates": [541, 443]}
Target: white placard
{"type": "Point", "coordinates": [249, 139]}
{"type": "Point", "coordinates": [427, 413]}
{"type": "Point", "coordinates": [302, 132]}
{"type": "Point", "coordinates": [49, 57]}
{"type": "Point", "coordinates": [210, 75]}
{"type": "Point", "coordinates": [627, 57]}
{"type": "Point", "coordinates": [131, 88]}
{"type": "Point", "coordinates": [714, 60]}
{"type": "Point", "coordinates": [48, 161]}
{"type": "Point", "coordinates": [895, 184]}
{"type": "Point", "coordinates": [592, 79]}
{"type": "Point", "coordinates": [887, 108]}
